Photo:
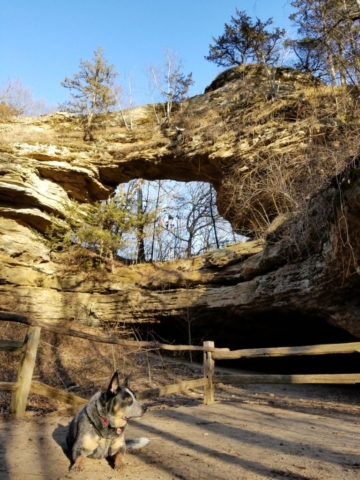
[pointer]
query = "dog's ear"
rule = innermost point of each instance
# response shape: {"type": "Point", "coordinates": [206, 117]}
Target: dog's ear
{"type": "Point", "coordinates": [127, 381]}
{"type": "Point", "coordinates": [114, 384]}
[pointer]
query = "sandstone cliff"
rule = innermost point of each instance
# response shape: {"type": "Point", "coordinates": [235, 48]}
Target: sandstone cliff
{"type": "Point", "coordinates": [277, 147]}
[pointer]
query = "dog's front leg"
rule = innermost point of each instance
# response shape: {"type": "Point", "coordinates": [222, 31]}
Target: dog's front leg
{"type": "Point", "coordinates": [84, 447]}
{"type": "Point", "coordinates": [119, 462]}
{"type": "Point", "coordinates": [78, 464]}
{"type": "Point", "coordinates": [119, 447]}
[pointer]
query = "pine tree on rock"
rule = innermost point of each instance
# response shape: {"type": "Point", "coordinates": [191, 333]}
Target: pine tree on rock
{"type": "Point", "coordinates": [245, 41]}
{"type": "Point", "coordinates": [93, 93]}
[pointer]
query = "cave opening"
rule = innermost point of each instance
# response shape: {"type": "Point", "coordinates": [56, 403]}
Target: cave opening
{"type": "Point", "coordinates": [270, 329]}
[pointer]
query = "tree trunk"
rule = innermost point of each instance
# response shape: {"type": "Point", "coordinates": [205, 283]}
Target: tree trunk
{"type": "Point", "coordinates": [140, 229]}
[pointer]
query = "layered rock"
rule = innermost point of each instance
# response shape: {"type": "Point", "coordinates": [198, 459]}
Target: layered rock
{"type": "Point", "coordinates": [244, 118]}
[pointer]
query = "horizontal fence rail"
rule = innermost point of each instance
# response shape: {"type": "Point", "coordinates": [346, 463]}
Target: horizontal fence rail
{"type": "Point", "coordinates": [12, 317]}
{"type": "Point", "coordinates": [25, 385]}
{"type": "Point", "coordinates": [40, 388]}
{"type": "Point", "coordinates": [10, 345]}
{"type": "Point", "coordinates": [28, 349]}
{"type": "Point", "coordinates": [319, 378]}
{"type": "Point", "coordinates": [169, 389]}
{"type": "Point", "coordinates": [288, 351]}
{"type": "Point", "coordinates": [44, 390]}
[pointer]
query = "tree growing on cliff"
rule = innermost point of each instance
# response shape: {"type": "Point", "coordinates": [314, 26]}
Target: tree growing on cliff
{"type": "Point", "coordinates": [93, 92]}
{"type": "Point", "coordinates": [104, 228]}
{"type": "Point", "coordinates": [16, 100]}
{"type": "Point", "coordinates": [169, 80]}
{"type": "Point", "coordinates": [245, 41]}
{"type": "Point", "coordinates": [328, 42]}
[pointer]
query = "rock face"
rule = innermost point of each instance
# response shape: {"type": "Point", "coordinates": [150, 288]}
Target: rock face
{"type": "Point", "coordinates": [303, 274]}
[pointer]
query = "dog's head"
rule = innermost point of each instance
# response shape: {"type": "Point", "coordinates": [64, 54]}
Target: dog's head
{"type": "Point", "coordinates": [118, 403]}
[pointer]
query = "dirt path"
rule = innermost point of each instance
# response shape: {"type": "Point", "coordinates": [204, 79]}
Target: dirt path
{"type": "Point", "coordinates": [295, 434]}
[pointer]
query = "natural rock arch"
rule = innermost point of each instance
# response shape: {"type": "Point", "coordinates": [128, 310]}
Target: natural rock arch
{"type": "Point", "coordinates": [216, 137]}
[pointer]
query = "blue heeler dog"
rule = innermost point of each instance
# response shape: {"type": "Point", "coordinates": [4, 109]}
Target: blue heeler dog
{"type": "Point", "coordinates": [98, 430]}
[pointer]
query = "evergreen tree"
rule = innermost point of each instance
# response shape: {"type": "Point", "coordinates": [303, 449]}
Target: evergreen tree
{"type": "Point", "coordinates": [244, 41]}
{"type": "Point", "coordinates": [92, 91]}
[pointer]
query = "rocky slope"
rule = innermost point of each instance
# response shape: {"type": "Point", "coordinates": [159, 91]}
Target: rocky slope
{"type": "Point", "coordinates": [271, 144]}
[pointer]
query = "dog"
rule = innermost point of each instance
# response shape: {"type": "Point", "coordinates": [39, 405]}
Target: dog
{"type": "Point", "coordinates": [98, 430]}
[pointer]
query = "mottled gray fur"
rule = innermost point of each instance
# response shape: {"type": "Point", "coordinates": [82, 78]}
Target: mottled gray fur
{"type": "Point", "coordinates": [98, 430]}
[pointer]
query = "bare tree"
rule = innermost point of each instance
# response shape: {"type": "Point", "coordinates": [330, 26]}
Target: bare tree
{"type": "Point", "coordinates": [328, 42]}
{"type": "Point", "coordinates": [187, 222]}
{"type": "Point", "coordinates": [141, 225]}
{"type": "Point", "coordinates": [170, 82]}
{"type": "Point", "coordinates": [125, 101]}
{"type": "Point", "coordinates": [18, 100]}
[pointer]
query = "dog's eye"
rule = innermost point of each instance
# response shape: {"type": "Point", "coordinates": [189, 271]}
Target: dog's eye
{"type": "Point", "coordinates": [128, 400]}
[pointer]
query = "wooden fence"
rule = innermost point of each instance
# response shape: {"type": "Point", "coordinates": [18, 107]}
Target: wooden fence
{"type": "Point", "coordinates": [26, 385]}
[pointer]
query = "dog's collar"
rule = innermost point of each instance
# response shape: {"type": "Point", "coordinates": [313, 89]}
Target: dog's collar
{"type": "Point", "coordinates": [119, 431]}
{"type": "Point", "coordinates": [104, 421]}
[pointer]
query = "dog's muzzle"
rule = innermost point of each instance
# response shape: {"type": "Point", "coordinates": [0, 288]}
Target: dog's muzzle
{"type": "Point", "coordinates": [136, 412]}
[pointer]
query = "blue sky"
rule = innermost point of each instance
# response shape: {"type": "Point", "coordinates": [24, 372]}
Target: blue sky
{"type": "Point", "coordinates": [42, 41]}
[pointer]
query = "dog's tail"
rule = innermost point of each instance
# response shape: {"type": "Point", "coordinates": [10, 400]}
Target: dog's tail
{"type": "Point", "coordinates": [136, 443]}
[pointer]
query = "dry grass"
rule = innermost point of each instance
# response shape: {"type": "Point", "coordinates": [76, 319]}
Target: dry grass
{"type": "Point", "coordinates": [281, 176]}
{"type": "Point", "coordinates": [14, 133]}
{"type": "Point", "coordinates": [84, 367]}
{"type": "Point", "coordinates": [66, 130]}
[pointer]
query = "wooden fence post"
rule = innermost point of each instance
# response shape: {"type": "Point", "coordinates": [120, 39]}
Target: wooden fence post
{"type": "Point", "coordinates": [209, 366]}
{"type": "Point", "coordinates": [26, 368]}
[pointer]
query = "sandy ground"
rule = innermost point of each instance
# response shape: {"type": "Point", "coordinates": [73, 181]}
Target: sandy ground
{"type": "Point", "coordinates": [297, 432]}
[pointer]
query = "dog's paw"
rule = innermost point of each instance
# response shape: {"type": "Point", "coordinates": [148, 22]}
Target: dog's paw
{"type": "Point", "coordinates": [76, 468]}
{"type": "Point", "coordinates": [119, 465]}
{"type": "Point", "coordinates": [78, 465]}
{"type": "Point", "coordinates": [119, 461]}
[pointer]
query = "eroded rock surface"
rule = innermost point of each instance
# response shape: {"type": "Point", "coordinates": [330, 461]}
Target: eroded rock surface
{"type": "Point", "coordinates": [44, 164]}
